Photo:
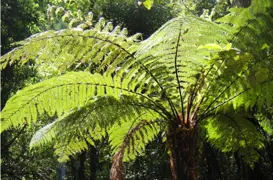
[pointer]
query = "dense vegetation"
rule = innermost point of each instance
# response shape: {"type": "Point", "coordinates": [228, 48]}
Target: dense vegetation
{"type": "Point", "coordinates": [196, 95]}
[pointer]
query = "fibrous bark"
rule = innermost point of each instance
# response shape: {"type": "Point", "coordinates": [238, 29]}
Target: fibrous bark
{"type": "Point", "coordinates": [184, 154]}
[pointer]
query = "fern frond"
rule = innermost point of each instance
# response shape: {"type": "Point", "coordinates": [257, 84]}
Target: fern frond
{"type": "Point", "coordinates": [131, 137]}
{"type": "Point", "coordinates": [69, 148]}
{"type": "Point", "coordinates": [74, 49]}
{"type": "Point", "coordinates": [61, 95]}
{"type": "Point", "coordinates": [234, 132]}
{"type": "Point", "coordinates": [242, 74]}
{"type": "Point", "coordinates": [265, 122]}
{"type": "Point", "coordinates": [240, 80]}
{"type": "Point", "coordinates": [129, 141]}
{"type": "Point", "coordinates": [172, 53]}
{"type": "Point", "coordinates": [89, 123]}
{"type": "Point", "coordinates": [251, 27]}
{"type": "Point", "coordinates": [44, 135]}
{"type": "Point", "coordinates": [69, 138]}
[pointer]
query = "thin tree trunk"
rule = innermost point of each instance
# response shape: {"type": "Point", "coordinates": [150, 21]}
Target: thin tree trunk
{"type": "Point", "coordinates": [61, 171]}
{"type": "Point", "coordinates": [184, 154]}
{"type": "Point", "coordinates": [73, 169]}
{"type": "Point", "coordinates": [93, 160]}
{"type": "Point", "coordinates": [213, 167]}
{"type": "Point", "coordinates": [81, 175]}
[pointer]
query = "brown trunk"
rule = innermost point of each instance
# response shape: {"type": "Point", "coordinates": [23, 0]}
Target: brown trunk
{"type": "Point", "coordinates": [117, 169]}
{"type": "Point", "coordinates": [184, 154]}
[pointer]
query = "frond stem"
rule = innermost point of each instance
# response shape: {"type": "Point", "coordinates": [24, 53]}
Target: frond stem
{"type": "Point", "coordinates": [177, 77]}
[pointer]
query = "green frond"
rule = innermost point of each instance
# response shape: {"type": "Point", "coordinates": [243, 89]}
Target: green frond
{"type": "Point", "coordinates": [71, 49]}
{"type": "Point", "coordinates": [251, 27]}
{"type": "Point", "coordinates": [232, 132]}
{"type": "Point", "coordinates": [75, 139]}
{"type": "Point", "coordinates": [242, 75]}
{"type": "Point", "coordinates": [130, 138]}
{"type": "Point", "coordinates": [265, 123]}
{"type": "Point", "coordinates": [248, 97]}
{"type": "Point", "coordinates": [68, 138]}
{"type": "Point", "coordinates": [172, 55]}
{"type": "Point", "coordinates": [44, 135]}
{"type": "Point", "coordinates": [238, 79]}
{"type": "Point", "coordinates": [69, 148]}
{"type": "Point", "coordinates": [60, 95]}
{"type": "Point", "coordinates": [90, 123]}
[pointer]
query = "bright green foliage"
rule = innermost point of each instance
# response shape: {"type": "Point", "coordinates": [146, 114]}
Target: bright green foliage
{"type": "Point", "coordinates": [210, 72]}
{"type": "Point", "coordinates": [132, 136]}
{"type": "Point", "coordinates": [266, 123]}
{"type": "Point", "coordinates": [71, 48]}
{"type": "Point", "coordinates": [148, 4]}
{"type": "Point", "coordinates": [233, 132]}
{"type": "Point", "coordinates": [91, 122]}
{"type": "Point", "coordinates": [258, 23]}
{"type": "Point", "coordinates": [175, 45]}
{"type": "Point", "coordinates": [70, 91]}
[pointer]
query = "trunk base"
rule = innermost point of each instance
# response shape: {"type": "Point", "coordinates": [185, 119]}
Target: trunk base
{"type": "Point", "coordinates": [184, 154]}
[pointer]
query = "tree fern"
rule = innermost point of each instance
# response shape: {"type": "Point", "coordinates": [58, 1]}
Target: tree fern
{"type": "Point", "coordinates": [190, 75]}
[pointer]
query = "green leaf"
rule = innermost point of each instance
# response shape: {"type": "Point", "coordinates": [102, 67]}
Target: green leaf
{"type": "Point", "coordinates": [148, 4]}
{"type": "Point", "coordinates": [210, 47]}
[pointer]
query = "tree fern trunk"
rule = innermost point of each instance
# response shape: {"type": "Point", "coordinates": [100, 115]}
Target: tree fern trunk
{"type": "Point", "coordinates": [184, 154]}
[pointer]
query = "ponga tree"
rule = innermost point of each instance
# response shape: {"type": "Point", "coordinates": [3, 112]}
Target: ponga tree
{"type": "Point", "coordinates": [192, 80]}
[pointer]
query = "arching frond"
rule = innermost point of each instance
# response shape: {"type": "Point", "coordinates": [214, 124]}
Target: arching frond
{"type": "Point", "coordinates": [238, 79]}
{"type": "Point", "coordinates": [242, 75]}
{"type": "Point", "coordinates": [129, 140]}
{"type": "Point", "coordinates": [232, 132]}
{"type": "Point", "coordinates": [69, 136]}
{"type": "Point", "coordinates": [75, 49]}
{"type": "Point", "coordinates": [61, 95]}
{"type": "Point", "coordinates": [172, 53]}
{"type": "Point", "coordinates": [89, 123]}
{"type": "Point", "coordinates": [131, 137]}
{"type": "Point", "coordinates": [251, 27]}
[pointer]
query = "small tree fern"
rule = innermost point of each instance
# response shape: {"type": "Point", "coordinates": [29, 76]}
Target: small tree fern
{"type": "Point", "coordinates": [192, 79]}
